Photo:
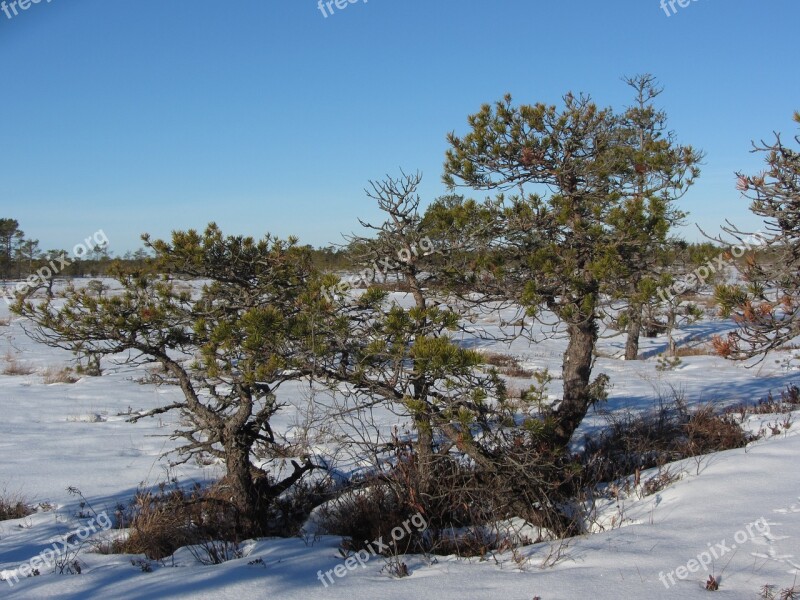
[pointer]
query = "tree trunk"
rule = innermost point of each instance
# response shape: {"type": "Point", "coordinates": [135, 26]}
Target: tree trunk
{"type": "Point", "coordinates": [416, 290]}
{"type": "Point", "coordinates": [244, 492]}
{"type": "Point", "coordinates": [671, 347]}
{"type": "Point", "coordinates": [424, 455]}
{"type": "Point", "coordinates": [576, 371]}
{"type": "Point", "coordinates": [424, 445]}
{"type": "Point", "coordinates": [634, 332]}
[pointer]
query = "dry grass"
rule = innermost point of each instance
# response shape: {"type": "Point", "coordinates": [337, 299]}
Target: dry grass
{"type": "Point", "coordinates": [771, 592]}
{"type": "Point", "coordinates": [708, 432]}
{"type": "Point", "coordinates": [660, 481]}
{"type": "Point", "coordinates": [456, 497]}
{"type": "Point", "coordinates": [53, 375]}
{"type": "Point", "coordinates": [496, 359]}
{"type": "Point", "coordinates": [517, 371]}
{"type": "Point", "coordinates": [705, 301]}
{"type": "Point", "coordinates": [507, 365]}
{"type": "Point", "coordinates": [671, 432]}
{"type": "Point", "coordinates": [14, 506]}
{"type": "Point", "coordinates": [702, 350]}
{"type": "Point", "coordinates": [789, 401]}
{"type": "Point", "coordinates": [161, 522]}
{"type": "Point", "coordinates": [157, 375]}
{"type": "Point", "coordinates": [15, 367]}
{"type": "Point", "coordinates": [390, 286]}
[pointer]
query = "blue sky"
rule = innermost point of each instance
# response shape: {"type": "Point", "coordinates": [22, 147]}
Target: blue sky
{"type": "Point", "coordinates": [264, 115]}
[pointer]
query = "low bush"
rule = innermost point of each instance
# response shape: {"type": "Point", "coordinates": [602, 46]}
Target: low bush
{"type": "Point", "coordinates": [507, 365]}
{"type": "Point", "coordinates": [788, 401]}
{"type": "Point", "coordinates": [160, 521]}
{"type": "Point", "coordinates": [15, 367]}
{"type": "Point", "coordinates": [14, 506]}
{"type": "Point", "coordinates": [465, 507]}
{"type": "Point", "coordinates": [668, 433]}
{"type": "Point", "coordinates": [53, 375]}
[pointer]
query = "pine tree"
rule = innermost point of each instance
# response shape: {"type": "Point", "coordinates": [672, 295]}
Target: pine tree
{"type": "Point", "coordinates": [767, 308]}
{"type": "Point", "coordinates": [229, 345]}
{"type": "Point", "coordinates": [583, 185]}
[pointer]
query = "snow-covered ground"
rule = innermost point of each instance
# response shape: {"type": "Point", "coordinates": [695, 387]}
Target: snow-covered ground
{"type": "Point", "coordinates": [736, 512]}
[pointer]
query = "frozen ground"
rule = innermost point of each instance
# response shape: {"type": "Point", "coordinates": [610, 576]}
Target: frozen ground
{"type": "Point", "coordinates": [58, 436]}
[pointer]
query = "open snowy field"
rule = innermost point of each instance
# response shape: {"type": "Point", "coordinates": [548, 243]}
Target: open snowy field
{"type": "Point", "coordinates": [735, 514]}
{"type": "Point", "coordinates": [381, 299]}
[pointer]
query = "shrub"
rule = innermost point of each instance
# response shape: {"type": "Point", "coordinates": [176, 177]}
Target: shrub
{"type": "Point", "coordinates": [670, 432]}
{"type": "Point", "coordinates": [159, 522]}
{"type": "Point", "coordinates": [788, 401]}
{"type": "Point", "coordinates": [361, 515]}
{"type": "Point", "coordinates": [53, 375]}
{"type": "Point", "coordinates": [14, 506]}
{"type": "Point", "coordinates": [14, 367]}
{"type": "Point", "coordinates": [668, 363]}
{"type": "Point", "coordinates": [466, 507]}
{"type": "Point", "coordinates": [701, 350]}
{"type": "Point", "coordinates": [506, 364]}
{"type": "Point", "coordinates": [707, 432]}
{"type": "Point", "coordinates": [162, 520]}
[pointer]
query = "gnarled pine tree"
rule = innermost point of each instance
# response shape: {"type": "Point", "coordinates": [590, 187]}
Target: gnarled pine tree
{"type": "Point", "coordinates": [230, 345]}
{"type": "Point", "coordinates": [562, 241]}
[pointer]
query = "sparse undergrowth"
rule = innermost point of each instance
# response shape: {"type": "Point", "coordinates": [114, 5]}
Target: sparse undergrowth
{"type": "Point", "coordinates": [14, 367]}
{"type": "Point", "coordinates": [788, 401]}
{"type": "Point", "coordinates": [467, 509]}
{"type": "Point", "coordinates": [466, 512]}
{"type": "Point", "coordinates": [160, 521]}
{"type": "Point", "coordinates": [771, 592]}
{"type": "Point", "coordinates": [701, 350]}
{"type": "Point", "coordinates": [670, 432]}
{"type": "Point", "coordinates": [52, 375]}
{"type": "Point", "coordinates": [507, 365]}
{"type": "Point", "coordinates": [14, 506]}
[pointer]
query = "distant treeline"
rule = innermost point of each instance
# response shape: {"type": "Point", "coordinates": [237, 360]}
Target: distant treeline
{"type": "Point", "coordinates": [22, 256]}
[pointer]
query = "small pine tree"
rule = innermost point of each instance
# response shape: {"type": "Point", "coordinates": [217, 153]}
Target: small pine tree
{"type": "Point", "coordinates": [767, 308]}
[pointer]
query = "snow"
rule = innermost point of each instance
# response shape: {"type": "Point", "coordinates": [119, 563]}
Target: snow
{"type": "Point", "coordinates": [61, 436]}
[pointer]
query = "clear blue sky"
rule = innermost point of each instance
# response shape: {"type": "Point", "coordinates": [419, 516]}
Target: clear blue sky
{"type": "Point", "coordinates": [263, 115]}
